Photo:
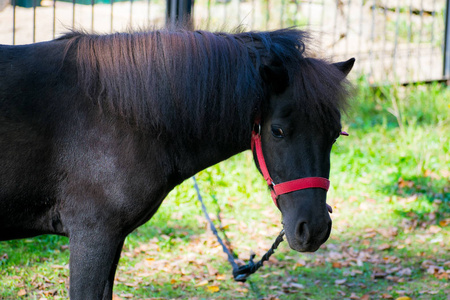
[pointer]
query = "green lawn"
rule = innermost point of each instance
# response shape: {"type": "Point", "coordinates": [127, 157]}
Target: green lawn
{"type": "Point", "coordinates": [391, 222]}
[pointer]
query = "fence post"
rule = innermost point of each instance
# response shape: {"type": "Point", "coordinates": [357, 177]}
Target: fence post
{"type": "Point", "coordinates": [178, 12]}
{"type": "Point", "coordinates": [447, 42]}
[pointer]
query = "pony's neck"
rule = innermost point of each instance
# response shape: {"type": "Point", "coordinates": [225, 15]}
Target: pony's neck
{"type": "Point", "coordinates": [192, 156]}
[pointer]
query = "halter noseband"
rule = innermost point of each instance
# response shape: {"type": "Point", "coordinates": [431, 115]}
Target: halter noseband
{"type": "Point", "coordinates": [288, 186]}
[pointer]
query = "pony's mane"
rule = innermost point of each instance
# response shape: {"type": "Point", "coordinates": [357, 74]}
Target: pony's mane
{"type": "Point", "coordinates": [167, 79]}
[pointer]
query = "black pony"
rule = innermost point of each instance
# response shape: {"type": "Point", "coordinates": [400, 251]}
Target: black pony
{"type": "Point", "coordinates": [95, 130]}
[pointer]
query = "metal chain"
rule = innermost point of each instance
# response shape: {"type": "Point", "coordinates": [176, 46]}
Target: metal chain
{"type": "Point", "coordinates": [243, 272]}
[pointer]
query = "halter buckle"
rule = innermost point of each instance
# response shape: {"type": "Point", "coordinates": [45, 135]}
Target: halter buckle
{"type": "Point", "coordinates": [257, 128]}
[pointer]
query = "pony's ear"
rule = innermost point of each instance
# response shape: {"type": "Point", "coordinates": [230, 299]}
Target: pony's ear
{"type": "Point", "coordinates": [345, 66]}
{"type": "Point", "coordinates": [275, 76]}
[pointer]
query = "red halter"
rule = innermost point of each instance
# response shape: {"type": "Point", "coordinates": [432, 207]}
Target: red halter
{"type": "Point", "coordinates": [288, 186]}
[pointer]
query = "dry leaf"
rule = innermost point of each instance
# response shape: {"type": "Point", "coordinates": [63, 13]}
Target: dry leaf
{"type": "Point", "coordinates": [340, 281]}
{"type": "Point", "coordinates": [403, 298]}
{"type": "Point", "coordinates": [296, 285]}
{"type": "Point", "coordinates": [387, 296]}
{"type": "Point", "coordinates": [213, 288]}
{"type": "Point", "coordinates": [384, 247]}
{"type": "Point", "coordinates": [221, 277]}
{"type": "Point", "coordinates": [405, 272]}
{"type": "Point", "coordinates": [444, 223]}
{"type": "Point", "coordinates": [434, 229]}
{"type": "Point", "coordinates": [274, 287]}
{"type": "Point", "coordinates": [202, 283]}
{"type": "Point", "coordinates": [211, 271]}
{"type": "Point", "coordinates": [354, 296]}
{"type": "Point", "coordinates": [22, 292]}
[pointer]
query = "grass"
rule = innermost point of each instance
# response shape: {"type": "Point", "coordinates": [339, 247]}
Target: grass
{"type": "Point", "coordinates": [391, 221]}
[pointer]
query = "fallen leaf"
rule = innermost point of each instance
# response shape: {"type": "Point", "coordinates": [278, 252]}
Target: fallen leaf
{"type": "Point", "coordinates": [57, 267]}
{"type": "Point", "coordinates": [211, 271]}
{"type": "Point", "coordinates": [340, 281]}
{"type": "Point", "coordinates": [22, 292]}
{"type": "Point", "coordinates": [444, 223]}
{"type": "Point", "coordinates": [202, 283]}
{"type": "Point", "coordinates": [404, 272]}
{"type": "Point", "coordinates": [296, 285]}
{"type": "Point", "coordinates": [213, 288]}
{"type": "Point", "coordinates": [354, 296]}
{"type": "Point", "coordinates": [403, 298]}
{"type": "Point", "coordinates": [387, 296]}
{"type": "Point", "coordinates": [441, 276]}
{"type": "Point", "coordinates": [405, 183]}
{"type": "Point", "coordinates": [383, 247]}
{"type": "Point", "coordinates": [434, 229]}
{"type": "Point", "coordinates": [221, 277]}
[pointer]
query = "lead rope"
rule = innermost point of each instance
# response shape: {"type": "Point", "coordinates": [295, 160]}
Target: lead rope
{"type": "Point", "coordinates": [243, 272]}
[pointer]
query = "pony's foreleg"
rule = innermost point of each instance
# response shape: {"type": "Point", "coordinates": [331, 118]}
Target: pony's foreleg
{"type": "Point", "coordinates": [93, 260]}
{"type": "Point", "coordinates": [108, 293]}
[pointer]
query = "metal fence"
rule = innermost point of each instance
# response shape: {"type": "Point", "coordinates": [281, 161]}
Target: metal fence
{"type": "Point", "coordinates": [395, 41]}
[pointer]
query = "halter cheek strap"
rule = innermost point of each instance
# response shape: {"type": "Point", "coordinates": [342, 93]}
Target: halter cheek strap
{"type": "Point", "coordinates": [288, 186]}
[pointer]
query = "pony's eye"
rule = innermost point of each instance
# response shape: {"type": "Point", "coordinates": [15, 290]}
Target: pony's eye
{"type": "Point", "coordinates": [277, 132]}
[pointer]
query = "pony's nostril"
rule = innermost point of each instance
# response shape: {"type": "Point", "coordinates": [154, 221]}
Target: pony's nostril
{"type": "Point", "coordinates": [303, 231]}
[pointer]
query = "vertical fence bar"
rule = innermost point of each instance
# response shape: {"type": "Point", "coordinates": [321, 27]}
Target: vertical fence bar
{"type": "Point", "coordinates": [447, 42]}
{"type": "Point", "coordinates": [148, 13]}
{"type": "Point", "coordinates": [54, 19]}
{"type": "Point", "coordinates": [73, 14]}
{"type": "Point", "coordinates": [310, 6]}
{"type": "Point", "coordinates": [92, 15]}
{"type": "Point", "coordinates": [34, 20]}
{"type": "Point", "coordinates": [394, 54]}
{"type": "Point", "coordinates": [360, 32]}
{"type": "Point", "coordinates": [372, 41]}
{"type": "Point", "coordinates": [322, 18]}
{"type": "Point", "coordinates": [112, 17]}
{"type": "Point", "coordinates": [13, 2]}
{"type": "Point", "coordinates": [347, 28]}
{"type": "Point", "coordinates": [433, 16]}
{"type": "Point", "coordinates": [282, 13]}
{"type": "Point", "coordinates": [131, 13]}
{"type": "Point", "coordinates": [382, 57]}
{"type": "Point", "coordinates": [178, 12]}
{"type": "Point", "coordinates": [410, 29]}
{"type": "Point", "coordinates": [335, 39]}
{"type": "Point", "coordinates": [419, 51]}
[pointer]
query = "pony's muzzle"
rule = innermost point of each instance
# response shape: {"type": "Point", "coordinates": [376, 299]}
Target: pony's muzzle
{"type": "Point", "coordinates": [308, 238]}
